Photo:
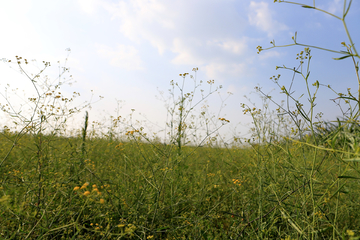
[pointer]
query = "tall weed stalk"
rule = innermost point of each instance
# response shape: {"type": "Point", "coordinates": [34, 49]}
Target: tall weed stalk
{"type": "Point", "coordinates": [307, 197]}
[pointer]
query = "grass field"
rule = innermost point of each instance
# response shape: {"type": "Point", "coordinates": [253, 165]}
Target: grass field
{"type": "Point", "coordinates": [295, 177]}
{"type": "Point", "coordinates": [51, 189]}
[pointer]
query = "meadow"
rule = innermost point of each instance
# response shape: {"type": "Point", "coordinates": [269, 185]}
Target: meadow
{"type": "Point", "coordinates": [135, 190]}
{"type": "Point", "coordinates": [295, 176]}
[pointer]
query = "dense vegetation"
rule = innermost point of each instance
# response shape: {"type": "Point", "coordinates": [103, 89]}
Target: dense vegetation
{"type": "Point", "coordinates": [296, 179]}
{"type": "Point", "coordinates": [140, 190]}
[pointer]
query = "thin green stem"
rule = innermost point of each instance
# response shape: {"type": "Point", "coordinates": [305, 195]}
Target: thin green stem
{"type": "Point", "coordinates": [312, 7]}
{"type": "Point", "coordinates": [309, 46]}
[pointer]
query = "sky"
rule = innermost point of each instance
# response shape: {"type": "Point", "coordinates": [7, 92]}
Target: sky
{"type": "Point", "coordinates": [129, 51]}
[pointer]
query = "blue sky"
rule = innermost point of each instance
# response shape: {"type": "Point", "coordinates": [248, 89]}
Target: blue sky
{"type": "Point", "coordinates": [129, 50]}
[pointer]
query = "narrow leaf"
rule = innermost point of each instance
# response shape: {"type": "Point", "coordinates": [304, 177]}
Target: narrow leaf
{"type": "Point", "coordinates": [349, 98]}
{"type": "Point", "coordinates": [348, 177]}
{"type": "Point", "coordinates": [347, 10]}
{"type": "Point", "coordinates": [352, 160]}
{"type": "Point", "coordinates": [307, 6]}
{"type": "Point", "coordinates": [337, 191]}
{"type": "Point", "coordinates": [302, 114]}
{"type": "Point", "coordinates": [343, 57]}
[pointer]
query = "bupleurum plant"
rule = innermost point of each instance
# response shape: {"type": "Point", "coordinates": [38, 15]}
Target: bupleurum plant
{"type": "Point", "coordinates": [315, 203]}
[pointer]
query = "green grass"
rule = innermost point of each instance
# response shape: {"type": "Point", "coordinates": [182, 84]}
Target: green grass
{"type": "Point", "coordinates": [295, 177]}
{"type": "Point", "coordinates": [149, 191]}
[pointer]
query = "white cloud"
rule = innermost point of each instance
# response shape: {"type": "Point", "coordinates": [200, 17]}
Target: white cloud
{"type": "Point", "coordinates": [335, 7]}
{"type": "Point", "coordinates": [220, 71]}
{"type": "Point", "coordinates": [88, 6]}
{"type": "Point", "coordinates": [234, 46]}
{"type": "Point", "coordinates": [75, 63]}
{"type": "Point", "coordinates": [261, 16]}
{"type": "Point", "coordinates": [18, 34]}
{"type": "Point", "coordinates": [124, 56]}
{"type": "Point", "coordinates": [268, 54]}
{"type": "Point", "coordinates": [185, 52]}
{"type": "Point", "coordinates": [231, 89]}
{"type": "Point", "coordinates": [10, 7]}
{"type": "Point", "coordinates": [208, 31]}
{"type": "Point", "coordinates": [139, 19]}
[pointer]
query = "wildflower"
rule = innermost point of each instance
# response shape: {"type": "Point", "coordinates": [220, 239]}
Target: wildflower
{"type": "Point", "coordinates": [94, 186]}
{"type": "Point", "coordinates": [76, 188]}
{"type": "Point", "coordinates": [119, 145]}
{"type": "Point", "coordinates": [84, 186]}
{"type": "Point", "coordinates": [350, 232]}
{"type": "Point", "coordinates": [87, 193]}
{"type": "Point", "coordinates": [259, 48]}
{"type": "Point", "coordinates": [102, 201]}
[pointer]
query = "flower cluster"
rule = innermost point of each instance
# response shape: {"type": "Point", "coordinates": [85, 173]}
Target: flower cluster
{"type": "Point", "coordinates": [237, 182]}
{"type": "Point", "coordinates": [223, 119]}
{"type": "Point", "coordinates": [131, 132]}
{"type": "Point", "coordinates": [94, 192]}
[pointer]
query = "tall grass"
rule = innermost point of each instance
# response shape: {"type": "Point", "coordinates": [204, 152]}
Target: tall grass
{"type": "Point", "coordinates": [296, 177]}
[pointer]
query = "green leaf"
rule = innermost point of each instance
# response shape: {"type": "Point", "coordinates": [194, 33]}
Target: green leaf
{"type": "Point", "coordinates": [302, 114]}
{"type": "Point", "coordinates": [348, 177]}
{"type": "Point", "coordinates": [352, 160]}
{"type": "Point", "coordinates": [307, 6]}
{"type": "Point", "coordinates": [350, 98]}
{"type": "Point", "coordinates": [343, 57]}
{"type": "Point", "coordinates": [347, 10]}
{"type": "Point", "coordinates": [338, 190]}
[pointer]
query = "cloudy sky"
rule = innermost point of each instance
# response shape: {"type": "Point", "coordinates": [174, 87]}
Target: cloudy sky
{"type": "Point", "coordinates": [129, 50]}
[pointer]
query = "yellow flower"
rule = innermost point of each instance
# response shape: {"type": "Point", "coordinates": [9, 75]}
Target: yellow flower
{"type": "Point", "coordinates": [94, 186]}
{"type": "Point", "coordinates": [76, 188]}
{"type": "Point", "coordinates": [350, 232]}
{"type": "Point", "coordinates": [102, 201]}
{"type": "Point", "coordinates": [84, 185]}
{"type": "Point", "coordinates": [86, 193]}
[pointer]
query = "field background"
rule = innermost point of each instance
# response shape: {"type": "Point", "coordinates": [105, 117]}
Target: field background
{"type": "Point", "coordinates": [293, 176]}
